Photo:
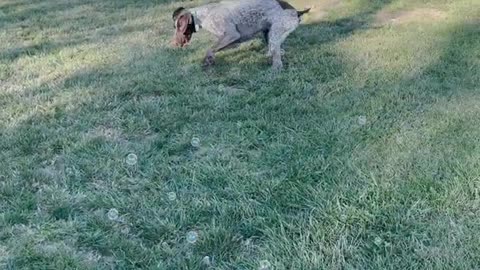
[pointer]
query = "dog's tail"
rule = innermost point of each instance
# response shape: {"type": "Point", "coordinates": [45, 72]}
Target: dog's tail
{"type": "Point", "coordinates": [303, 12]}
{"type": "Point", "coordinates": [286, 5]}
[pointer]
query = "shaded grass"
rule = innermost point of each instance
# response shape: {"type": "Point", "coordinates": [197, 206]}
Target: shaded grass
{"type": "Point", "coordinates": [285, 171]}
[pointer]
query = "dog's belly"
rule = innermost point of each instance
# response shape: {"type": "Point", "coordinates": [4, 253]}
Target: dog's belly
{"type": "Point", "coordinates": [248, 32]}
{"type": "Point", "coordinates": [251, 17]}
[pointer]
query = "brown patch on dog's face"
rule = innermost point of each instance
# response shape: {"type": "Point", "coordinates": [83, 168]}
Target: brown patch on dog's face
{"type": "Point", "coordinates": [184, 29]}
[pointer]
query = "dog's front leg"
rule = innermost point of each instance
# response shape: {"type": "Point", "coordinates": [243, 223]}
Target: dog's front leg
{"type": "Point", "coordinates": [223, 42]}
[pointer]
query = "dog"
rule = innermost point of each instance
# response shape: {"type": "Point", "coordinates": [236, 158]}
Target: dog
{"type": "Point", "coordinates": [237, 21]}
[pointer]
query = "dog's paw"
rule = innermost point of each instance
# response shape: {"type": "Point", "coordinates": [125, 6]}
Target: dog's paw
{"type": "Point", "coordinates": [277, 66]}
{"type": "Point", "coordinates": [209, 59]}
{"type": "Point", "coordinates": [269, 53]}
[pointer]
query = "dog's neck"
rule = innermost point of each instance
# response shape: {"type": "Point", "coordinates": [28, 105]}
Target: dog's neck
{"type": "Point", "coordinates": [199, 14]}
{"type": "Point", "coordinates": [196, 21]}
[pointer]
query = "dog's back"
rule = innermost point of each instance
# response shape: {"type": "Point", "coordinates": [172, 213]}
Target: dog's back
{"type": "Point", "coordinates": [249, 16]}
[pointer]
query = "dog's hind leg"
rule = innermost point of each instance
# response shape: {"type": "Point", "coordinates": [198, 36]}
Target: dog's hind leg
{"type": "Point", "coordinates": [265, 35]}
{"type": "Point", "coordinates": [279, 31]}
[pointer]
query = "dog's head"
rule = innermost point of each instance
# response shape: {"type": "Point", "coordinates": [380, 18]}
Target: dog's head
{"type": "Point", "coordinates": [184, 27]}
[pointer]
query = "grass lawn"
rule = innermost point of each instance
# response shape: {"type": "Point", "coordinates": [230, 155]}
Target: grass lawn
{"type": "Point", "coordinates": [364, 153]}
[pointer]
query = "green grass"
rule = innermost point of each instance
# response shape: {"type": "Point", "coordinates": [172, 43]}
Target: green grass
{"type": "Point", "coordinates": [285, 171]}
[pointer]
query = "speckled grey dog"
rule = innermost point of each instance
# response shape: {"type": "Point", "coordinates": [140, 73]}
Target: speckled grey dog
{"type": "Point", "coordinates": [236, 21]}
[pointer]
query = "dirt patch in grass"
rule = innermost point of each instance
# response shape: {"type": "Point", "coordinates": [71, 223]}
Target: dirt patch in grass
{"type": "Point", "coordinates": [407, 16]}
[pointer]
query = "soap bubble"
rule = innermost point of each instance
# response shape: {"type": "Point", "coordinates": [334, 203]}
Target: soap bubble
{"type": "Point", "coordinates": [69, 171]}
{"type": "Point", "coordinates": [206, 260]}
{"type": "Point", "coordinates": [362, 120]}
{"type": "Point", "coordinates": [399, 139]}
{"type": "Point", "coordinates": [112, 214]}
{"type": "Point", "coordinates": [192, 237]}
{"type": "Point", "coordinates": [378, 241]}
{"type": "Point", "coordinates": [125, 230]}
{"type": "Point", "coordinates": [195, 142]}
{"type": "Point", "coordinates": [131, 159]}
{"type": "Point", "coordinates": [172, 196]}
{"type": "Point", "coordinates": [264, 265]}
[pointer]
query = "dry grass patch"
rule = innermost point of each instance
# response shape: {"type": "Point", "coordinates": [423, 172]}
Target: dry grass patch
{"type": "Point", "coordinates": [408, 16]}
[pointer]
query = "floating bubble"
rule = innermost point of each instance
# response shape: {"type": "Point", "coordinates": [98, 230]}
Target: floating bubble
{"type": "Point", "coordinates": [378, 241]}
{"type": "Point", "coordinates": [206, 260]}
{"type": "Point", "coordinates": [69, 171]}
{"type": "Point", "coordinates": [399, 139]}
{"type": "Point", "coordinates": [264, 265]}
{"type": "Point", "coordinates": [362, 120]}
{"type": "Point", "coordinates": [192, 237]}
{"type": "Point", "coordinates": [195, 142]}
{"type": "Point", "coordinates": [112, 214]}
{"type": "Point", "coordinates": [131, 159]}
{"type": "Point", "coordinates": [125, 230]}
{"type": "Point", "coordinates": [172, 196]}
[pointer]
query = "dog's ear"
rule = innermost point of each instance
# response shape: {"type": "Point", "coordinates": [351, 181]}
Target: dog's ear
{"type": "Point", "coordinates": [182, 22]}
{"type": "Point", "coordinates": [183, 33]}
